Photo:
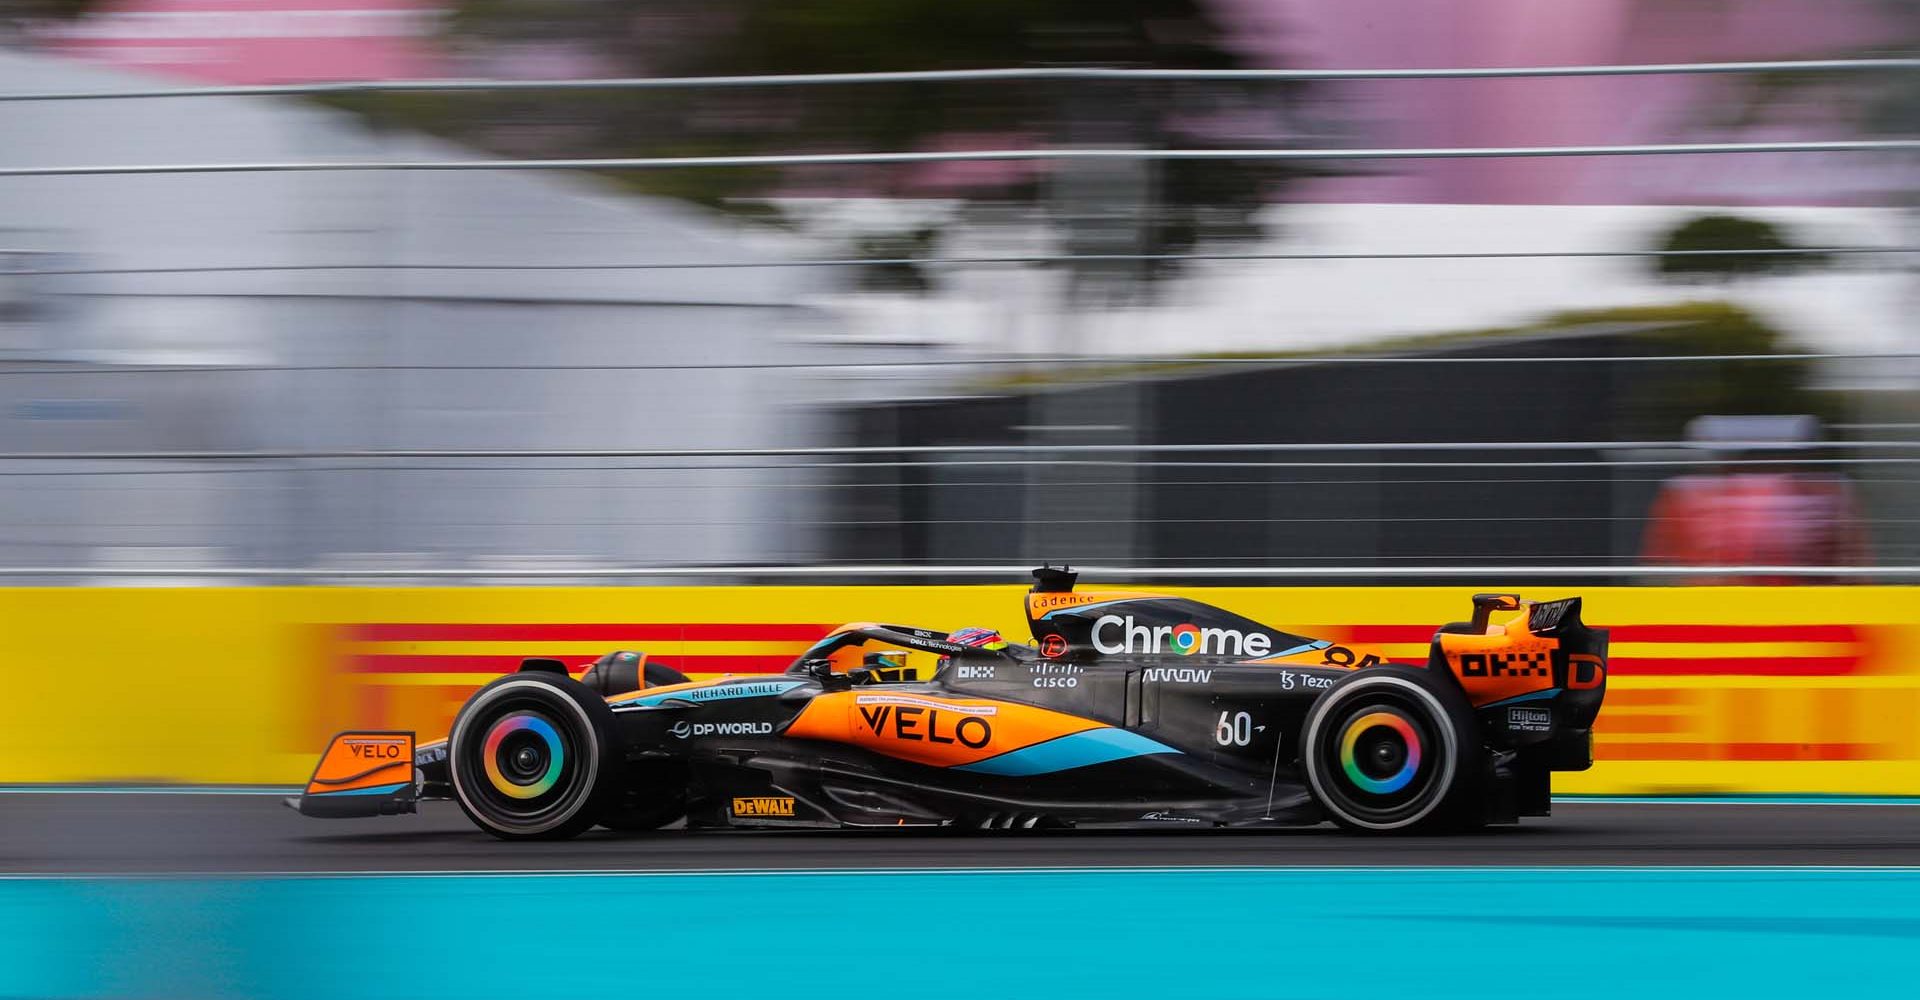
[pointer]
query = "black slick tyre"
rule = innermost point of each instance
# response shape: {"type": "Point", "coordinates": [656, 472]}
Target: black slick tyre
{"type": "Point", "coordinates": [531, 757]}
{"type": "Point", "coordinates": [1394, 749]}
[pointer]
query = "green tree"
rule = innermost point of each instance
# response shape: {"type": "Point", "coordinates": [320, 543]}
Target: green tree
{"type": "Point", "coordinates": [17, 16]}
{"type": "Point", "coordinates": [1689, 248]}
{"type": "Point", "coordinates": [1176, 206]}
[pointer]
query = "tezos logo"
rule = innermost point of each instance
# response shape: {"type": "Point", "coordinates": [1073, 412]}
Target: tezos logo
{"type": "Point", "coordinates": [1114, 634]}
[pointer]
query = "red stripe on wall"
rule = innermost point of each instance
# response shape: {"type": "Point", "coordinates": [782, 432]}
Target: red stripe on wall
{"type": "Point", "coordinates": [1392, 633]}
{"type": "Point", "coordinates": [592, 632]}
{"type": "Point", "coordinates": [1751, 666]}
{"type": "Point", "coordinates": [1647, 633]}
{"type": "Point", "coordinates": [410, 664]}
{"type": "Point", "coordinates": [730, 664]}
{"type": "Point", "coordinates": [1735, 633]}
{"type": "Point", "coordinates": [1736, 751]}
{"type": "Point", "coordinates": [397, 664]}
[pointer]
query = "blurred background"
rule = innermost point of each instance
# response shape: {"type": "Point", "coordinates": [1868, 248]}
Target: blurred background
{"type": "Point", "coordinates": [351, 350]}
{"type": "Point", "coordinates": [372, 356]}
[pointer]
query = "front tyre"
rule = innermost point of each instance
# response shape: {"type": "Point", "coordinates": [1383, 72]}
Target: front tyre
{"type": "Point", "coordinates": [1393, 749]}
{"type": "Point", "coordinates": [532, 757]}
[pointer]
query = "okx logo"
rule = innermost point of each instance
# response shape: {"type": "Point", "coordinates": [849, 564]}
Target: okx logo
{"type": "Point", "coordinates": [1114, 634]}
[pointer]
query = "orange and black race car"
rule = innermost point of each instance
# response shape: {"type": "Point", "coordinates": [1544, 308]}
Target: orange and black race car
{"type": "Point", "coordinates": [1128, 709]}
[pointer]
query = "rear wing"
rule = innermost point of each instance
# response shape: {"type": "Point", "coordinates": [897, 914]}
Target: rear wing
{"type": "Point", "coordinates": [1539, 645]}
{"type": "Point", "coordinates": [1536, 676]}
{"type": "Point", "coordinates": [362, 773]}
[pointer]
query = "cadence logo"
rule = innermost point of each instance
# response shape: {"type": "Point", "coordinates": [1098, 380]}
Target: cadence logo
{"type": "Point", "coordinates": [1114, 634]}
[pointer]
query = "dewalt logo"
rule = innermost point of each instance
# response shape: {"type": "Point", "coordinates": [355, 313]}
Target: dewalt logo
{"type": "Point", "coordinates": [764, 806]}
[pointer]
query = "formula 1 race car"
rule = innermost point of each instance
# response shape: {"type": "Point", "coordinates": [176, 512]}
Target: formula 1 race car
{"type": "Point", "coordinates": [1128, 710]}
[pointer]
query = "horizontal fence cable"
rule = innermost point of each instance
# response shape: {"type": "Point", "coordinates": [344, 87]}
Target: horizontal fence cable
{"type": "Point", "coordinates": [942, 449]}
{"type": "Point", "coordinates": [1086, 258]}
{"type": "Point", "coordinates": [953, 156]}
{"type": "Point", "coordinates": [1008, 573]}
{"type": "Point", "coordinates": [1004, 463]}
{"type": "Point", "coordinates": [1095, 360]}
{"type": "Point", "coordinates": [994, 75]}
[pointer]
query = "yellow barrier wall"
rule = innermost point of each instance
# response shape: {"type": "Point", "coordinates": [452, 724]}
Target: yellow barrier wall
{"type": "Point", "coordinates": [1734, 690]}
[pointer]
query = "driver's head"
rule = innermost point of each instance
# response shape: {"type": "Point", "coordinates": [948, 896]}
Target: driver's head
{"type": "Point", "coordinates": [979, 638]}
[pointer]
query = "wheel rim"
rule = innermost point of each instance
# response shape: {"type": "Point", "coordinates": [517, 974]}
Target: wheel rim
{"type": "Point", "coordinates": [519, 762]}
{"type": "Point", "coordinates": [1380, 752]}
{"type": "Point", "coordinates": [523, 755]}
{"type": "Point", "coordinates": [1381, 757]}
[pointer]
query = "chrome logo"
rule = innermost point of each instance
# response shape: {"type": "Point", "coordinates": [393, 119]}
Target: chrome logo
{"type": "Point", "coordinates": [521, 722]}
{"type": "Point", "coordinates": [1116, 634]}
{"type": "Point", "coordinates": [1186, 639]}
{"type": "Point", "coordinates": [1350, 761]}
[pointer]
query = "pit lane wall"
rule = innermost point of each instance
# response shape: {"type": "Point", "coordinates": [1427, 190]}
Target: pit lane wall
{"type": "Point", "coordinates": [1784, 690]}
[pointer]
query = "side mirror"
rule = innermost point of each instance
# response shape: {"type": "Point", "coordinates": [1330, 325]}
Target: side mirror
{"type": "Point", "coordinates": [822, 670]}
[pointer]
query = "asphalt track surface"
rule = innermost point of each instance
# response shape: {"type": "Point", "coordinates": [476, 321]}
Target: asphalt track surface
{"type": "Point", "coordinates": [176, 833]}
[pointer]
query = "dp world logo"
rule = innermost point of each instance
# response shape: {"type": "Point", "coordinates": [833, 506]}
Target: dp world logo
{"type": "Point", "coordinates": [681, 729]}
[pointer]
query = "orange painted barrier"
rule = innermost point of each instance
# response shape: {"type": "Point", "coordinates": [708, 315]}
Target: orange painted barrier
{"type": "Point", "coordinates": [1711, 690]}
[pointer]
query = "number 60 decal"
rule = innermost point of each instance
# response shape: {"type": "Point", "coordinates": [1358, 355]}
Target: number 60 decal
{"type": "Point", "coordinates": [1234, 732]}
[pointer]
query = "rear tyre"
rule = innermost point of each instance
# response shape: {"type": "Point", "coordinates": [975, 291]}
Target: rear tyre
{"type": "Point", "coordinates": [1394, 749]}
{"type": "Point", "coordinates": [532, 757]}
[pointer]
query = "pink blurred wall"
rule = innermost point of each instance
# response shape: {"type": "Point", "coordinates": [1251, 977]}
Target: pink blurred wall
{"type": "Point", "coordinates": [259, 41]}
{"type": "Point", "coordinates": [1396, 33]}
{"type": "Point", "coordinates": [273, 41]}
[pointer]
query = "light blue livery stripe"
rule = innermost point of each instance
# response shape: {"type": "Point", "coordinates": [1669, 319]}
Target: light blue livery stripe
{"type": "Point", "coordinates": [1530, 696]}
{"type": "Point", "coordinates": [1083, 749]}
{"type": "Point", "coordinates": [374, 790]}
{"type": "Point", "coordinates": [1302, 648]}
{"type": "Point", "coordinates": [722, 692]}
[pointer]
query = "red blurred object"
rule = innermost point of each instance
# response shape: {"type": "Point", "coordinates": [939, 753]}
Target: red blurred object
{"type": "Point", "coordinates": [259, 41]}
{"type": "Point", "coordinates": [1755, 519]}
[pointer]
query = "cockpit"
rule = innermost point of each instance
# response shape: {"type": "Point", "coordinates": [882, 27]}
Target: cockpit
{"type": "Point", "coordinates": [905, 654]}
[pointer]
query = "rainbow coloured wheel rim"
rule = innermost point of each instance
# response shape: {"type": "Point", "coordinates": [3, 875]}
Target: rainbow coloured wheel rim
{"type": "Point", "coordinates": [523, 755]}
{"type": "Point", "coordinates": [1380, 752]}
{"type": "Point", "coordinates": [1383, 753]}
{"type": "Point", "coordinates": [527, 757]}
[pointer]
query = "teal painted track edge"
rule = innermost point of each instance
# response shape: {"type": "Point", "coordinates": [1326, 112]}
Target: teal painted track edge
{"type": "Point", "coordinates": [1812, 799]}
{"type": "Point", "coordinates": [1061, 935]}
{"type": "Point", "coordinates": [155, 789]}
{"type": "Point", "coordinates": [1386, 871]}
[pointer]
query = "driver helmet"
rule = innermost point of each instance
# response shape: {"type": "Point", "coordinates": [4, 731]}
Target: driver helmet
{"type": "Point", "coordinates": [980, 638]}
